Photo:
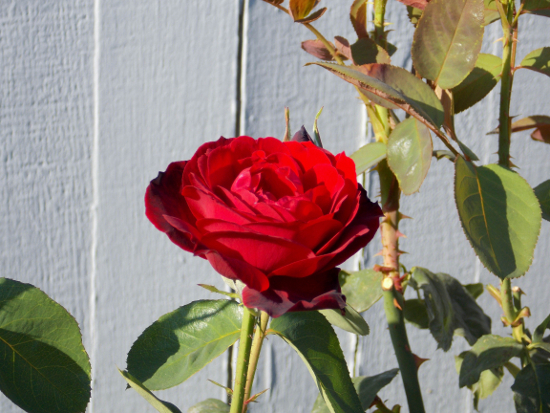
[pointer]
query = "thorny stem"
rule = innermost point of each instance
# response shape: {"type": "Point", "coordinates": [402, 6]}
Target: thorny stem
{"type": "Point", "coordinates": [379, 13]}
{"type": "Point", "coordinates": [509, 29]}
{"type": "Point", "coordinates": [245, 343]}
{"type": "Point", "coordinates": [259, 336]}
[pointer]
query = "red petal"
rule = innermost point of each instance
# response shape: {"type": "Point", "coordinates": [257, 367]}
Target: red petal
{"type": "Point", "coordinates": [238, 270]}
{"type": "Point", "coordinates": [346, 165]}
{"type": "Point", "coordinates": [308, 155]}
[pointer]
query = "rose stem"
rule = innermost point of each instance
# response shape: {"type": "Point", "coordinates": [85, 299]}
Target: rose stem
{"type": "Point", "coordinates": [245, 342]}
{"type": "Point", "coordinates": [259, 336]}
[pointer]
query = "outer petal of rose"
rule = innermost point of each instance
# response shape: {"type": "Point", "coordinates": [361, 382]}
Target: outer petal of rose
{"type": "Point", "coordinates": [317, 292]}
{"type": "Point", "coordinates": [192, 164]}
{"type": "Point", "coordinates": [304, 268]}
{"type": "Point", "coordinates": [346, 166]}
{"type": "Point", "coordinates": [163, 198]}
{"type": "Point", "coordinates": [261, 251]}
{"type": "Point", "coordinates": [238, 270]}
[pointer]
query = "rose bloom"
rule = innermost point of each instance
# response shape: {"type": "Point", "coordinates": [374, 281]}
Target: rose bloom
{"type": "Point", "coordinates": [278, 216]}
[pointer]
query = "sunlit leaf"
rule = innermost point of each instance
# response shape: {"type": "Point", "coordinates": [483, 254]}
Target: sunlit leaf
{"type": "Point", "coordinates": [393, 87]}
{"type": "Point", "coordinates": [539, 7]}
{"type": "Point", "coordinates": [182, 342]}
{"type": "Point", "coordinates": [159, 405]}
{"type": "Point", "coordinates": [488, 352]}
{"type": "Point", "coordinates": [43, 365]}
{"type": "Point", "coordinates": [447, 40]}
{"type": "Point", "coordinates": [317, 48]}
{"type": "Point", "coordinates": [363, 289]}
{"type": "Point", "coordinates": [210, 406]}
{"type": "Point", "coordinates": [368, 156]}
{"type": "Point", "coordinates": [300, 9]}
{"type": "Point", "coordinates": [481, 80]}
{"type": "Point", "coordinates": [538, 60]}
{"type": "Point", "coordinates": [358, 17]}
{"type": "Point", "coordinates": [367, 388]}
{"type": "Point", "coordinates": [542, 192]}
{"type": "Point", "coordinates": [531, 393]}
{"type": "Point", "coordinates": [500, 215]}
{"type": "Point", "coordinates": [311, 335]}
{"type": "Point", "coordinates": [351, 321]}
{"type": "Point", "coordinates": [410, 154]}
{"type": "Point", "coordinates": [490, 12]}
{"type": "Point", "coordinates": [414, 14]}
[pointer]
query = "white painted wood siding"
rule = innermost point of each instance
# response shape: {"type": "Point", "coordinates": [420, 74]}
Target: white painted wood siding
{"type": "Point", "coordinates": [97, 96]}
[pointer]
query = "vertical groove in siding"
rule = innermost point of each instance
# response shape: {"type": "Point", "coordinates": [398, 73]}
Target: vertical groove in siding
{"type": "Point", "coordinates": [95, 191]}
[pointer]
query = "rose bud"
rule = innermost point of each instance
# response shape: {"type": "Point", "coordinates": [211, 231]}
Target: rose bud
{"type": "Point", "coordinates": [278, 216]}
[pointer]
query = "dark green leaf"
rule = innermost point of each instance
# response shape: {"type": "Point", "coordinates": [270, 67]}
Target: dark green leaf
{"type": "Point", "coordinates": [488, 352]}
{"type": "Point", "coordinates": [363, 289]}
{"type": "Point", "coordinates": [210, 406]}
{"type": "Point", "coordinates": [542, 191]}
{"type": "Point", "coordinates": [538, 60]}
{"type": "Point", "coordinates": [182, 342]}
{"type": "Point", "coordinates": [414, 14]}
{"type": "Point", "coordinates": [393, 87]}
{"type": "Point", "coordinates": [159, 405]}
{"type": "Point", "coordinates": [410, 154]}
{"type": "Point", "coordinates": [467, 151]}
{"type": "Point", "coordinates": [415, 312]}
{"type": "Point", "coordinates": [311, 335]}
{"type": "Point", "coordinates": [481, 80]}
{"type": "Point", "coordinates": [351, 321]}
{"type": "Point", "coordinates": [539, 331]}
{"type": "Point", "coordinates": [368, 156]}
{"type": "Point", "coordinates": [500, 215]}
{"type": "Point", "coordinates": [489, 380]}
{"type": "Point", "coordinates": [475, 290]}
{"type": "Point", "coordinates": [451, 309]}
{"type": "Point", "coordinates": [43, 365]}
{"type": "Point", "coordinates": [539, 7]}
{"type": "Point", "coordinates": [531, 389]}
{"type": "Point", "coordinates": [490, 12]}
{"type": "Point", "coordinates": [366, 51]}
{"type": "Point", "coordinates": [447, 40]}
{"type": "Point", "coordinates": [367, 388]}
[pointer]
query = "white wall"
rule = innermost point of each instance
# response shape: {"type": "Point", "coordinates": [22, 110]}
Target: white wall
{"type": "Point", "coordinates": [97, 96]}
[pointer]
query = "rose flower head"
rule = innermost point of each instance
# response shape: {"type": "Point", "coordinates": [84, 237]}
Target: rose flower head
{"type": "Point", "coordinates": [277, 216]}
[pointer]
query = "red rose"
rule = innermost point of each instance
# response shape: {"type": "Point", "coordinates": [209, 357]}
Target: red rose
{"type": "Point", "coordinates": [278, 216]}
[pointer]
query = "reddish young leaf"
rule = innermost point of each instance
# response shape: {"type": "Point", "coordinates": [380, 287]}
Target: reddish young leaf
{"type": "Point", "coordinates": [358, 17]}
{"type": "Point", "coordinates": [317, 48]}
{"type": "Point", "coordinates": [299, 9]}
{"type": "Point", "coordinates": [313, 16]}
{"type": "Point", "coordinates": [343, 47]}
{"type": "Point", "coordinates": [274, 2]}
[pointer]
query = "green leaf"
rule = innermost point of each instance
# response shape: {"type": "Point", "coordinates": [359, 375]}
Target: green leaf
{"type": "Point", "coordinates": [311, 335]}
{"type": "Point", "coordinates": [447, 40]}
{"type": "Point", "coordinates": [489, 380]}
{"type": "Point", "coordinates": [414, 14]}
{"type": "Point", "coordinates": [393, 87]}
{"type": "Point", "coordinates": [366, 51]}
{"type": "Point", "coordinates": [210, 406]}
{"type": "Point", "coordinates": [363, 289]}
{"type": "Point", "coordinates": [368, 156]}
{"type": "Point", "coordinates": [410, 154]}
{"type": "Point", "coordinates": [468, 153]}
{"type": "Point", "coordinates": [182, 342]}
{"type": "Point", "coordinates": [481, 80]}
{"type": "Point", "coordinates": [490, 12]}
{"type": "Point", "coordinates": [539, 7]}
{"type": "Point", "coordinates": [539, 331]}
{"type": "Point", "coordinates": [500, 215]}
{"type": "Point", "coordinates": [538, 60]}
{"type": "Point", "coordinates": [415, 312]}
{"type": "Point", "coordinates": [159, 405]}
{"type": "Point", "coordinates": [488, 352]}
{"type": "Point", "coordinates": [451, 308]}
{"type": "Point", "coordinates": [475, 290]}
{"type": "Point", "coordinates": [367, 388]}
{"type": "Point", "coordinates": [351, 321]}
{"type": "Point", "coordinates": [531, 393]}
{"type": "Point", "coordinates": [542, 192]}
{"type": "Point", "coordinates": [43, 365]}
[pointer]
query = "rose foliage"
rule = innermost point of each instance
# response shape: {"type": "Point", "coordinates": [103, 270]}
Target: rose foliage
{"type": "Point", "coordinates": [277, 216]}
